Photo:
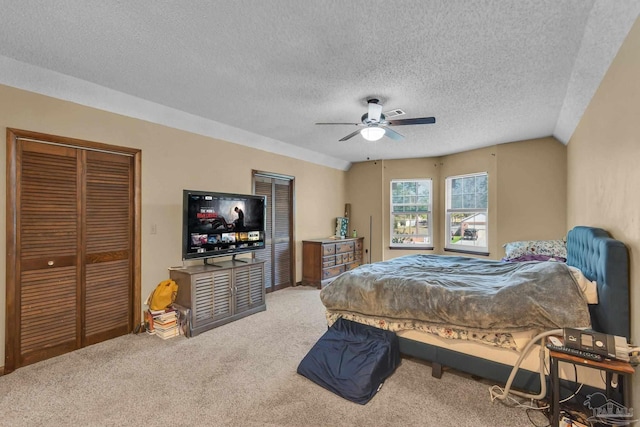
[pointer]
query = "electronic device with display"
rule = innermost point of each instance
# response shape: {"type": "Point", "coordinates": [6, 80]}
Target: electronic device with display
{"type": "Point", "coordinates": [218, 224]}
{"type": "Point", "coordinates": [611, 346]}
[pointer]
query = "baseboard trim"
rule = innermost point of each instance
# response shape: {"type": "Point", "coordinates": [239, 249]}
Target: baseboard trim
{"type": "Point", "coordinates": [1, 371]}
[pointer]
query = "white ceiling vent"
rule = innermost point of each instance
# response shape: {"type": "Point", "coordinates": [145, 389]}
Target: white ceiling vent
{"type": "Point", "coordinates": [393, 113]}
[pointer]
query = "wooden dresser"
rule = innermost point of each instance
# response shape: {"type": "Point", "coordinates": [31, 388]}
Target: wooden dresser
{"type": "Point", "coordinates": [325, 259]}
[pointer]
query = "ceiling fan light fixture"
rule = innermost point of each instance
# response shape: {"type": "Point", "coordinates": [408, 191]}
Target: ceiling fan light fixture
{"type": "Point", "coordinates": [372, 133]}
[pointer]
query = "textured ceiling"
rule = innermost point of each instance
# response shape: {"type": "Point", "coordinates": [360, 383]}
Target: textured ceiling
{"type": "Point", "coordinates": [261, 73]}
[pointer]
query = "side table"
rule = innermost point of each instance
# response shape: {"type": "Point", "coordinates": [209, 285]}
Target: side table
{"type": "Point", "coordinates": [624, 369]}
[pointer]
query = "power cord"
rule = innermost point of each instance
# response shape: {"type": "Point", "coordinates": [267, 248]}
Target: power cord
{"type": "Point", "coordinates": [566, 411]}
{"type": "Point", "coordinates": [575, 393]}
{"type": "Point", "coordinates": [504, 393]}
{"type": "Point", "coordinates": [529, 412]}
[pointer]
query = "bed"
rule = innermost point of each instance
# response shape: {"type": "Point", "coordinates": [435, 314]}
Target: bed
{"type": "Point", "coordinates": [491, 351]}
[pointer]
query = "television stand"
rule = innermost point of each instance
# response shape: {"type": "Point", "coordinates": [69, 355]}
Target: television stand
{"type": "Point", "coordinates": [233, 259]}
{"type": "Point", "coordinates": [220, 295]}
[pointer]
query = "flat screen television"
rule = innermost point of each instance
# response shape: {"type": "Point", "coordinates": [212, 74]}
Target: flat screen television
{"type": "Point", "coordinates": [217, 224]}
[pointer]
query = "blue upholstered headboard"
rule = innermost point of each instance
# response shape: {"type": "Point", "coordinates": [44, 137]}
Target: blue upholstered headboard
{"type": "Point", "coordinates": [605, 260]}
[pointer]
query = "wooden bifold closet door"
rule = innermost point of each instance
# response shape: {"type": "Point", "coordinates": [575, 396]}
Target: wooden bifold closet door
{"type": "Point", "coordinates": [278, 253]}
{"type": "Point", "coordinates": [108, 244]}
{"type": "Point", "coordinates": [73, 231]}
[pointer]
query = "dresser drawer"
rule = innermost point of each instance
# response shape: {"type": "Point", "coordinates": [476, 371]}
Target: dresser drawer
{"type": "Point", "coordinates": [353, 265]}
{"type": "Point", "coordinates": [332, 272]}
{"type": "Point", "coordinates": [340, 259]}
{"type": "Point", "coordinates": [344, 247]}
{"type": "Point", "coordinates": [328, 261]}
{"type": "Point", "coordinates": [329, 249]}
{"type": "Point", "coordinates": [358, 245]}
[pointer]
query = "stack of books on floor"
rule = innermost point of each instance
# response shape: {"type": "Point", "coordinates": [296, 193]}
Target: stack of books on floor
{"type": "Point", "coordinates": [163, 323]}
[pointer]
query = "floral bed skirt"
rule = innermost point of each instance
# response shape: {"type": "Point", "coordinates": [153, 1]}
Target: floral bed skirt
{"type": "Point", "coordinates": [503, 340]}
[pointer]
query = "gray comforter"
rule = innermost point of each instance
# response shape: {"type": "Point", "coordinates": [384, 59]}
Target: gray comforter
{"type": "Point", "coordinates": [462, 292]}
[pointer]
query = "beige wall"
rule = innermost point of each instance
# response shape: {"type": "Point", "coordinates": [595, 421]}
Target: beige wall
{"type": "Point", "coordinates": [172, 160]}
{"type": "Point", "coordinates": [532, 191]}
{"type": "Point", "coordinates": [366, 206]}
{"type": "Point", "coordinates": [603, 178]}
{"type": "Point", "coordinates": [527, 192]}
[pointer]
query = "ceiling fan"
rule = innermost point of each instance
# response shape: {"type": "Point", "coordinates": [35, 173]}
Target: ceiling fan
{"type": "Point", "coordinates": [375, 124]}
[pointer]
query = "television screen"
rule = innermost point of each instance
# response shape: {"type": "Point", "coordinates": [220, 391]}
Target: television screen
{"type": "Point", "coordinates": [216, 224]}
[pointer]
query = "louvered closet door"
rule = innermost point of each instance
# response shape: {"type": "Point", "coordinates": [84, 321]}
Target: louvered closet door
{"type": "Point", "coordinates": [278, 244]}
{"type": "Point", "coordinates": [281, 233]}
{"type": "Point", "coordinates": [108, 230]}
{"type": "Point", "coordinates": [49, 231]}
{"type": "Point", "coordinates": [263, 188]}
{"type": "Point", "coordinates": [71, 243]}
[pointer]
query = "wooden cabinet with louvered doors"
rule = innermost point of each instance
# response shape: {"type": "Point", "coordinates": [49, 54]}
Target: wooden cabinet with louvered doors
{"type": "Point", "coordinates": [220, 294]}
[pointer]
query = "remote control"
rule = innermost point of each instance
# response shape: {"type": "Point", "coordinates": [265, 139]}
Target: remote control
{"type": "Point", "coordinates": [575, 352]}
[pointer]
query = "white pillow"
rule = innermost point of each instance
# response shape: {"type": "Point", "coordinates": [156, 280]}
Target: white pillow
{"type": "Point", "coordinates": [588, 288]}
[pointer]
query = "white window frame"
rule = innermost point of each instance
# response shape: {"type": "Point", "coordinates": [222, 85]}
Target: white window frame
{"type": "Point", "coordinates": [461, 245]}
{"type": "Point", "coordinates": [429, 213]}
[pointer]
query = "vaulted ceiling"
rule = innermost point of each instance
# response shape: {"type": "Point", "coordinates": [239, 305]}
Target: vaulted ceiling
{"type": "Point", "coordinates": [263, 72]}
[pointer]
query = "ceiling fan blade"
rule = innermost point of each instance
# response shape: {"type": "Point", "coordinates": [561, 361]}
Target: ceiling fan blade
{"type": "Point", "coordinates": [351, 124]}
{"type": "Point", "coordinates": [416, 121]}
{"type": "Point", "coordinates": [351, 135]}
{"type": "Point", "coordinates": [375, 110]}
{"type": "Point", "coordinates": [393, 134]}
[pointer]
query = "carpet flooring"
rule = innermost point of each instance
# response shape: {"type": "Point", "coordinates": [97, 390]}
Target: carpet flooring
{"type": "Point", "coordinates": [239, 374]}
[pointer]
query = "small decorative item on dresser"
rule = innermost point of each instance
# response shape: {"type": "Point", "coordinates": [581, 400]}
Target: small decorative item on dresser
{"type": "Point", "coordinates": [342, 226]}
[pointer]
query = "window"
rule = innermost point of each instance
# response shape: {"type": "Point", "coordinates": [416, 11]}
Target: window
{"type": "Point", "coordinates": [411, 213]}
{"type": "Point", "coordinates": [467, 213]}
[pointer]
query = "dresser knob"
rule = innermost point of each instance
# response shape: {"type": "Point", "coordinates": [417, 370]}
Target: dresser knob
{"type": "Point", "coordinates": [50, 263]}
